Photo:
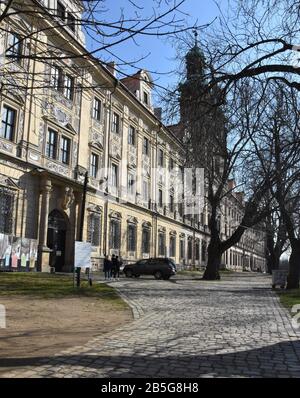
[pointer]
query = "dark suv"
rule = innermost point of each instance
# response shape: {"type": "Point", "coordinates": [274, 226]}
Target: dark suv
{"type": "Point", "coordinates": [160, 268]}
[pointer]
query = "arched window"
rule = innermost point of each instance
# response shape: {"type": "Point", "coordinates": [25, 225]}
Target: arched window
{"type": "Point", "coordinates": [131, 237]}
{"type": "Point", "coordinates": [146, 240]}
{"type": "Point", "coordinates": [115, 234]}
{"type": "Point", "coordinates": [172, 251]}
{"type": "Point", "coordinates": [161, 244]}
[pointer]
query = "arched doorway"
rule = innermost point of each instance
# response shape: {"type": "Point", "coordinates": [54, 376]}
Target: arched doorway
{"type": "Point", "coordinates": [56, 239]}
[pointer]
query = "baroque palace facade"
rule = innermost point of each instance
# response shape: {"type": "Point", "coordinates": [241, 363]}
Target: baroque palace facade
{"type": "Point", "coordinates": [84, 156]}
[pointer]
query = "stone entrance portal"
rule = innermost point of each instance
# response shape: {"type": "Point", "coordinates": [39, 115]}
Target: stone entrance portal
{"type": "Point", "coordinates": [56, 239]}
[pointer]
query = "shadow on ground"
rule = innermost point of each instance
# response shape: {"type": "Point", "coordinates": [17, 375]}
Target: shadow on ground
{"type": "Point", "coordinates": [281, 359]}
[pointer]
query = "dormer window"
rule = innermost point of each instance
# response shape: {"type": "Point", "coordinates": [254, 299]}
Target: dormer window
{"type": "Point", "coordinates": [71, 21]}
{"type": "Point", "coordinates": [14, 46]}
{"type": "Point", "coordinates": [146, 98]}
{"type": "Point", "coordinates": [61, 11]}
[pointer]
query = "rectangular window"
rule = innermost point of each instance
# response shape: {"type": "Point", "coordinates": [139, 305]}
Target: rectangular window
{"type": "Point", "coordinates": [145, 191]}
{"type": "Point", "coordinates": [171, 164]}
{"type": "Point", "coordinates": [115, 123]}
{"type": "Point", "coordinates": [97, 109]}
{"type": "Point", "coordinates": [131, 135]}
{"type": "Point", "coordinates": [94, 227]}
{"type": "Point", "coordinates": [131, 238]}
{"type": "Point", "coordinates": [69, 87]}
{"type": "Point", "coordinates": [146, 146]}
{"type": "Point", "coordinates": [146, 240]}
{"type": "Point", "coordinates": [172, 246]}
{"type": "Point", "coordinates": [56, 77]}
{"type": "Point", "coordinates": [61, 11]}
{"type": "Point", "coordinates": [65, 144]}
{"type": "Point", "coordinates": [171, 203]}
{"type": "Point", "coordinates": [161, 244]}
{"type": "Point", "coordinates": [14, 46]}
{"type": "Point", "coordinates": [131, 184]}
{"type": "Point", "coordinates": [203, 251]}
{"type": "Point", "coordinates": [160, 198]}
{"type": "Point", "coordinates": [115, 231]}
{"type": "Point", "coordinates": [197, 250]}
{"type": "Point", "coordinates": [190, 249]}
{"type": "Point", "coordinates": [8, 123]}
{"type": "Point", "coordinates": [7, 209]}
{"type": "Point", "coordinates": [180, 209]}
{"type": "Point", "coordinates": [182, 248]}
{"type": "Point", "coordinates": [71, 21]}
{"type": "Point", "coordinates": [94, 165]}
{"type": "Point", "coordinates": [51, 147]}
{"type": "Point", "coordinates": [114, 175]}
{"type": "Point", "coordinates": [160, 157]}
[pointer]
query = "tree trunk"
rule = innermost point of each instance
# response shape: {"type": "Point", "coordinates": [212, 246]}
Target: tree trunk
{"type": "Point", "coordinates": [214, 260]}
{"type": "Point", "coordinates": [273, 259]}
{"type": "Point", "coordinates": [294, 267]}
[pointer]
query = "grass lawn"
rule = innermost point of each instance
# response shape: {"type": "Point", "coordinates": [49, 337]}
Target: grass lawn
{"type": "Point", "coordinates": [46, 286]}
{"type": "Point", "coordinates": [289, 297]}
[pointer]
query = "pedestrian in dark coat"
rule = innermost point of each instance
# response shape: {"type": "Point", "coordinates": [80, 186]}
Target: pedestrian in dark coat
{"type": "Point", "coordinates": [114, 266]}
{"type": "Point", "coordinates": [118, 265]}
{"type": "Point", "coordinates": [107, 268]}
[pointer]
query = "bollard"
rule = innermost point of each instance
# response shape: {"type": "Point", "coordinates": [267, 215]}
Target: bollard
{"type": "Point", "coordinates": [78, 271]}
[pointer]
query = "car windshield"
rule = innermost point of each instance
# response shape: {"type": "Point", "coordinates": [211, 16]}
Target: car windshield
{"type": "Point", "coordinates": [173, 263]}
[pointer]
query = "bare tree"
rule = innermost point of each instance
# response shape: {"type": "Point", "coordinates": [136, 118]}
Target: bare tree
{"type": "Point", "coordinates": [276, 240]}
{"type": "Point", "coordinates": [278, 151]}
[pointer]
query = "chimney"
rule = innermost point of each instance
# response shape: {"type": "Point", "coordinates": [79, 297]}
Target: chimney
{"type": "Point", "coordinates": [111, 66]}
{"type": "Point", "coordinates": [158, 113]}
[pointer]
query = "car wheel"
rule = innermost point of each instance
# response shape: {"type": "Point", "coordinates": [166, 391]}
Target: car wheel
{"type": "Point", "coordinates": [128, 273]}
{"type": "Point", "coordinates": [157, 275]}
{"type": "Point", "coordinates": [166, 277]}
{"type": "Point", "coordinates": [136, 276]}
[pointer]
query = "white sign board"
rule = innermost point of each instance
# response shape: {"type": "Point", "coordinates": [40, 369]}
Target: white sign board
{"type": "Point", "coordinates": [83, 254]}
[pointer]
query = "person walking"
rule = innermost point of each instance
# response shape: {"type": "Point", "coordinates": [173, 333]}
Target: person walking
{"type": "Point", "coordinates": [114, 266]}
{"type": "Point", "coordinates": [107, 267]}
{"type": "Point", "coordinates": [118, 266]}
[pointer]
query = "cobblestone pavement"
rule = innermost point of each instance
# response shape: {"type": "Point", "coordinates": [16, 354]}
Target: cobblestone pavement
{"type": "Point", "coordinates": [186, 328]}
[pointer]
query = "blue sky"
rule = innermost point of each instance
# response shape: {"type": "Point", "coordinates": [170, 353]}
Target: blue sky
{"type": "Point", "coordinates": [160, 53]}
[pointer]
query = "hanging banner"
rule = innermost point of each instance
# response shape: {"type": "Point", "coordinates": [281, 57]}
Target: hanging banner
{"type": "Point", "coordinates": [15, 252]}
{"type": "Point", "coordinates": [5, 250]}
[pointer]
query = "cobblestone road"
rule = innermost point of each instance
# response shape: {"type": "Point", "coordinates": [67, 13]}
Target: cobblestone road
{"type": "Point", "coordinates": [187, 328]}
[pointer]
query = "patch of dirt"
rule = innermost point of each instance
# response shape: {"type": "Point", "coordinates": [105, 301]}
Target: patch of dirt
{"type": "Point", "coordinates": [44, 327]}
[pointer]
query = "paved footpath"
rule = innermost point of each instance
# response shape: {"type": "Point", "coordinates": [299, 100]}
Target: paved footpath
{"type": "Point", "coordinates": [188, 328]}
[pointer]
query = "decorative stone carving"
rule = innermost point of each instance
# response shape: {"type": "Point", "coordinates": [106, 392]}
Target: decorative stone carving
{"type": "Point", "coordinates": [115, 214]}
{"type": "Point", "coordinates": [132, 161]}
{"type": "Point", "coordinates": [132, 220]}
{"type": "Point", "coordinates": [115, 145]}
{"type": "Point", "coordinates": [67, 199]}
{"type": "Point", "coordinates": [96, 138]}
{"type": "Point", "coordinates": [6, 146]}
{"type": "Point", "coordinates": [94, 208]}
{"type": "Point", "coordinates": [57, 168]}
{"type": "Point", "coordinates": [80, 173]}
